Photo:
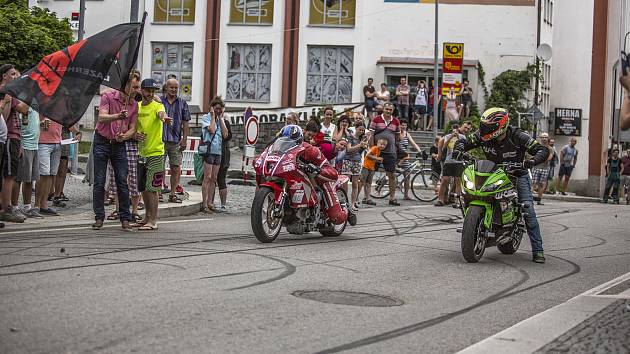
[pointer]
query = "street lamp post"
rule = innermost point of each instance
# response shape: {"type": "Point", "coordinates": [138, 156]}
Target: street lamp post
{"type": "Point", "coordinates": [435, 75]}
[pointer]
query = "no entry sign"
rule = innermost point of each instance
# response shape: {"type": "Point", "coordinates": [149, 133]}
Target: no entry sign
{"type": "Point", "coordinates": [251, 127]}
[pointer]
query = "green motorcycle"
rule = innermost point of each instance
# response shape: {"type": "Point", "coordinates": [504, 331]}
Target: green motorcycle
{"type": "Point", "coordinates": [489, 202]}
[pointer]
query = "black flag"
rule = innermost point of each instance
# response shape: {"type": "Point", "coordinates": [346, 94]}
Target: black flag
{"type": "Point", "coordinates": [63, 84]}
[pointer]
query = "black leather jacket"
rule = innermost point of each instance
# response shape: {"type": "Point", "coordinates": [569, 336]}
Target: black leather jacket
{"type": "Point", "coordinates": [511, 149]}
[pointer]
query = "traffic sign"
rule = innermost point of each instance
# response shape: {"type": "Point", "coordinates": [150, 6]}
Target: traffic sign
{"type": "Point", "coordinates": [452, 67]}
{"type": "Point", "coordinates": [251, 127]}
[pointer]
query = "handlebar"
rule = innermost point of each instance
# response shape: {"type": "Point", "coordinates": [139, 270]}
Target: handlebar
{"type": "Point", "coordinates": [308, 167]}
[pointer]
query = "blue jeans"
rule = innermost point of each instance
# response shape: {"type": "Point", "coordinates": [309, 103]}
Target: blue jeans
{"type": "Point", "coordinates": [116, 154]}
{"type": "Point", "coordinates": [524, 189]}
{"type": "Point", "coordinates": [403, 112]}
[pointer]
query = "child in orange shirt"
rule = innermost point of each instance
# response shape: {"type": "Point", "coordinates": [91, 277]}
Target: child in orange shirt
{"type": "Point", "coordinates": [369, 167]}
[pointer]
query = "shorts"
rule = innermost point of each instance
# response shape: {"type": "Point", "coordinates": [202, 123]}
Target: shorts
{"type": "Point", "coordinates": [625, 181]}
{"type": "Point", "coordinates": [132, 171]}
{"type": "Point", "coordinates": [11, 158]}
{"type": "Point", "coordinates": [421, 109]}
{"type": "Point", "coordinates": [171, 150]}
{"type": "Point", "coordinates": [389, 161]}
{"type": "Point", "coordinates": [366, 176]}
{"type": "Point", "coordinates": [65, 151]}
{"type": "Point", "coordinates": [552, 171]}
{"type": "Point", "coordinates": [565, 171]}
{"type": "Point", "coordinates": [49, 156]}
{"type": "Point", "coordinates": [150, 173]}
{"type": "Point", "coordinates": [212, 159]}
{"type": "Point", "coordinates": [28, 169]}
{"type": "Point", "coordinates": [351, 168]}
{"type": "Point", "coordinates": [539, 175]}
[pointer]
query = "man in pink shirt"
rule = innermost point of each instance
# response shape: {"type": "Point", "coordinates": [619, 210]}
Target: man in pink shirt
{"type": "Point", "coordinates": [117, 118]}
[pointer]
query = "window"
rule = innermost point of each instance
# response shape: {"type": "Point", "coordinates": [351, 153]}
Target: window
{"type": "Point", "coordinates": [332, 12]}
{"type": "Point", "coordinates": [173, 60]}
{"type": "Point", "coordinates": [251, 12]}
{"type": "Point", "coordinates": [329, 78]}
{"type": "Point", "coordinates": [249, 72]}
{"type": "Point", "coordinates": [174, 11]}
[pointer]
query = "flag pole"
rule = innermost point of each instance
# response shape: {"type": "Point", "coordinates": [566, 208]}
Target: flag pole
{"type": "Point", "coordinates": [135, 59]}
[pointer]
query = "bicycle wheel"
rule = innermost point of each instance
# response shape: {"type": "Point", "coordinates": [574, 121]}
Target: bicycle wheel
{"type": "Point", "coordinates": [380, 186]}
{"type": "Point", "coordinates": [424, 185]}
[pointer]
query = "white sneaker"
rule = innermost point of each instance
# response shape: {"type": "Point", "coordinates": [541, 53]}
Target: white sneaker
{"type": "Point", "coordinates": [222, 209]}
{"type": "Point", "coordinates": [32, 213]}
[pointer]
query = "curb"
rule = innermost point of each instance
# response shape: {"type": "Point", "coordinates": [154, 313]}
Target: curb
{"type": "Point", "coordinates": [188, 207]}
{"type": "Point", "coordinates": [536, 332]}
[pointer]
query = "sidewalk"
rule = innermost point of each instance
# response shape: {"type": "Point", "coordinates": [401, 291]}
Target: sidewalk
{"type": "Point", "coordinates": [78, 210]}
{"type": "Point", "coordinates": [597, 321]}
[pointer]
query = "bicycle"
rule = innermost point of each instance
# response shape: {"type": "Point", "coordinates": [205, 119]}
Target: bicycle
{"type": "Point", "coordinates": [423, 182]}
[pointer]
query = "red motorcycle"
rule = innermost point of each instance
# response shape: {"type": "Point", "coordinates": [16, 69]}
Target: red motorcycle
{"type": "Point", "coordinates": [288, 195]}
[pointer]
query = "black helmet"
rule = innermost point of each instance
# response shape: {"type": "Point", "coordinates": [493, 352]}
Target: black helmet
{"type": "Point", "coordinates": [494, 122]}
{"type": "Point", "coordinates": [293, 132]}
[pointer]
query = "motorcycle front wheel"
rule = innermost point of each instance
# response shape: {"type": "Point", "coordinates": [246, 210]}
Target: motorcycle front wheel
{"type": "Point", "coordinates": [337, 230]}
{"type": "Point", "coordinates": [473, 235]}
{"type": "Point", "coordinates": [266, 227]}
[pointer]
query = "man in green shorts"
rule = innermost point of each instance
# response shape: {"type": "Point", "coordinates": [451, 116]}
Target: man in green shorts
{"type": "Point", "coordinates": [151, 117]}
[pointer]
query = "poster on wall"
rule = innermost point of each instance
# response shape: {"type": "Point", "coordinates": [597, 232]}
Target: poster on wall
{"type": "Point", "coordinates": [568, 122]}
{"type": "Point", "coordinates": [158, 56]}
{"type": "Point", "coordinates": [172, 59]}
{"type": "Point", "coordinates": [185, 87]}
{"type": "Point", "coordinates": [187, 57]}
{"type": "Point", "coordinates": [158, 76]}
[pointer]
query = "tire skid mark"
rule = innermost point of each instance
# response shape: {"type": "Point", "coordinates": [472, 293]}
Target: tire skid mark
{"type": "Point", "coordinates": [433, 321]}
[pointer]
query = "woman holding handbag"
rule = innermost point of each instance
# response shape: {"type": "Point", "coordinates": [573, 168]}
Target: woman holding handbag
{"type": "Point", "coordinates": [212, 131]}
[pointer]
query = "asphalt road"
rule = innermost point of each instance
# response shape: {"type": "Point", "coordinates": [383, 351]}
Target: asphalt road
{"type": "Point", "coordinates": [206, 285]}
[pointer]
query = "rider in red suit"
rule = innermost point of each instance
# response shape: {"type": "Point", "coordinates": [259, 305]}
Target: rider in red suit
{"type": "Point", "coordinates": [326, 176]}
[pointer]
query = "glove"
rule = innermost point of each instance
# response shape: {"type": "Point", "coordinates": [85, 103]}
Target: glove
{"type": "Point", "coordinates": [529, 164]}
{"type": "Point", "coordinates": [310, 168]}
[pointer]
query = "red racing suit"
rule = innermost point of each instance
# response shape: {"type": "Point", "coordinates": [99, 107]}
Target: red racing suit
{"type": "Point", "coordinates": [325, 179]}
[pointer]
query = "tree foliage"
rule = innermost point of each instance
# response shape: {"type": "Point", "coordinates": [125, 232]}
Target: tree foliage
{"type": "Point", "coordinates": [30, 34]}
{"type": "Point", "coordinates": [509, 91]}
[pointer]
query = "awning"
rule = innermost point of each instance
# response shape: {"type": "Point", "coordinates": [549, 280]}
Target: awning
{"type": "Point", "coordinates": [418, 61]}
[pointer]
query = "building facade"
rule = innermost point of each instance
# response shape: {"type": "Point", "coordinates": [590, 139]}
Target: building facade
{"type": "Point", "coordinates": [284, 53]}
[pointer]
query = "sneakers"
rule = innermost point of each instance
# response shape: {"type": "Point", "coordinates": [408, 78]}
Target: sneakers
{"type": "Point", "coordinates": [539, 203]}
{"type": "Point", "coordinates": [97, 225]}
{"type": "Point", "coordinates": [12, 216]}
{"type": "Point", "coordinates": [538, 257]}
{"type": "Point", "coordinates": [32, 213]}
{"type": "Point", "coordinates": [368, 202]}
{"type": "Point", "coordinates": [563, 193]}
{"type": "Point", "coordinates": [58, 202]}
{"type": "Point", "coordinates": [48, 212]}
{"type": "Point", "coordinates": [222, 209]}
{"type": "Point", "coordinates": [394, 202]}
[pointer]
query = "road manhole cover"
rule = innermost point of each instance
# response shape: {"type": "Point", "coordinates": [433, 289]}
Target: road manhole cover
{"type": "Point", "coordinates": [351, 298]}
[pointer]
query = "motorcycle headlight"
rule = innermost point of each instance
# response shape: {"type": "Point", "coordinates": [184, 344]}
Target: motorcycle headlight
{"type": "Point", "coordinates": [493, 186]}
{"type": "Point", "coordinates": [468, 183]}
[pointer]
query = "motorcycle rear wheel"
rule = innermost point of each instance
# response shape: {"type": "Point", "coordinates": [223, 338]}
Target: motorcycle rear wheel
{"type": "Point", "coordinates": [337, 230]}
{"type": "Point", "coordinates": [473, 235]}
{"type": "Point", "coordinates": [266, 228]}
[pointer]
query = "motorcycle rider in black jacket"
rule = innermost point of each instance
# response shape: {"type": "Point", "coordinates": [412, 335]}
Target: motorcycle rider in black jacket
{"type": "Point", "coordinates": [502, 143]}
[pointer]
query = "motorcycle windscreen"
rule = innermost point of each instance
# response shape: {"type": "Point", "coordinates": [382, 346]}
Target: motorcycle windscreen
{"type": "Point", "coordinates": [282, 145]}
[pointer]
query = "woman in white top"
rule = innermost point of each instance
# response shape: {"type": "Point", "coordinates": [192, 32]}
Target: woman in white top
{"type": "Point", "coordinates": [382, 96]}
{"type": "Point", "coordinates": [328, 127]}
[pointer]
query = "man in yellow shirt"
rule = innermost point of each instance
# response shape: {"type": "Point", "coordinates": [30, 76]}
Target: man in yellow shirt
{"type": "Point", "coordinates": [151, 117]}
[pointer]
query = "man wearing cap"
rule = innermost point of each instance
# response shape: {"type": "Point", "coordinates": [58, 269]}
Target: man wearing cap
{"type": "Point", "coordinates": [149, 130]}
{"type": "Point", "coordinates": [116, 124]}
{"type": "Point", "coordinates": [540, 172]}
